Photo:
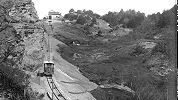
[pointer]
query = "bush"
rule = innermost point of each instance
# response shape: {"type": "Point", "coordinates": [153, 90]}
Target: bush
{"type": "Point", "coordinates": [129, 18]}
{"type": "Point", "coordinates": [70, 17]}
{"type": "Point", "coordinates": [81, 20]}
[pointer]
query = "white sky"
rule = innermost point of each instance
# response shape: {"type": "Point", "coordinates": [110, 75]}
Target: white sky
{"type": "Point", "coordinates": [102, 6]}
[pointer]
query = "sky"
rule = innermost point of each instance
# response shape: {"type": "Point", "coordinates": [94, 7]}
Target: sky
{"type": "Point", "coordinates": [102, 7]}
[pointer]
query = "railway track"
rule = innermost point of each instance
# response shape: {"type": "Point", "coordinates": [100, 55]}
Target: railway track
{"type": "Point", "coordinates": [55, 91]}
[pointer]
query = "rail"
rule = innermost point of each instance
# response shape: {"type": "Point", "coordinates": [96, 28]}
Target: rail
{"type": "Point", "coordinates": [55, 88]}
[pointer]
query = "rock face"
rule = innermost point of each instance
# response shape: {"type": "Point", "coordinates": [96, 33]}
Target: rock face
{"type": "Point", "coordinates": [24, 11]}
{"type": "Point", "coordinates": [17, 23]}
{"type": "Point", "coordinates": [20, 37]}
{"type": "Point", "coordinates": [23, 18]}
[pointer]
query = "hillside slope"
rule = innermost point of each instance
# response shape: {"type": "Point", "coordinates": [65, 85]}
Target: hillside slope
{"type": "Point", "coordinates": [131, 60]}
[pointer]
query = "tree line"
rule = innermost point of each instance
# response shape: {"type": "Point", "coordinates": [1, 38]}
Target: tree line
{"type": "Point", "coordinates": [129, 18]}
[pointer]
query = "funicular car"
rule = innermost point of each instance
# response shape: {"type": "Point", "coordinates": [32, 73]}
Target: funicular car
{"type": "Point", "coordinates": [48, 68]}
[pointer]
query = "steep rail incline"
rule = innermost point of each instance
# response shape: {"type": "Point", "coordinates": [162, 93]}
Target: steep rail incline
{"type": "Point", "coordinates": [67, 78]}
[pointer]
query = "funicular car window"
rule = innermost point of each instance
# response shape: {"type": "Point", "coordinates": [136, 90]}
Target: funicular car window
{"type": "Point", "coordinates": [49, 68]}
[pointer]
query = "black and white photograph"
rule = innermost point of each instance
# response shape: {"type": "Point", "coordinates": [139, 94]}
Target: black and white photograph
{"type": "Point", "coordinates": [88, 50]}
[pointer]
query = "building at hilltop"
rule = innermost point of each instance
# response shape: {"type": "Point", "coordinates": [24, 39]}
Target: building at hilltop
{"type": "Point", "coordinates": [54, 15]}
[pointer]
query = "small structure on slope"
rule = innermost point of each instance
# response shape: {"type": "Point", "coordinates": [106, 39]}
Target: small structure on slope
{"type": "Point", "coordinates": [54, 15]}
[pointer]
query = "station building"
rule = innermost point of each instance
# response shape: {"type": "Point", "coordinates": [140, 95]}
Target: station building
{"type": "Point", "coordinates": [54, 15]}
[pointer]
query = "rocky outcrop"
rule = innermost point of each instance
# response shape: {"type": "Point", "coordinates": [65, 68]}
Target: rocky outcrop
{"type": "Point", "coordinates": [116, 86]}
{"type": "Point", "coordinates": [17, 18]}
{"type": "Point", "coordinates": [23, 11]}
{"type": "Point", "coordinates": [24, 20]}
{"type": "Point", "coordinates": [20, 34]}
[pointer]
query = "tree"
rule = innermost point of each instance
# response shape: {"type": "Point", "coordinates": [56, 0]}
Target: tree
{"type": "Point", "coordinates": [166, 18]}
{"type": "Point", "coordinates": [70, 16]}
{"type": "Point", "coordinates": [111, 18]}
{"type": "Point", "coordinates": [81, 20]}
{"type": "Point", "coordinates": [79, 11]}
{"type": "Point", "coordinates": [71, 10]}
{"type": "Point", "coordinates": [89, 12]}
{"type": "Point", "coordinates": [129, 18]}
{"type": "Point", "coordinates": [93, 21]}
